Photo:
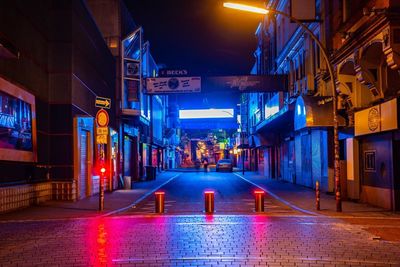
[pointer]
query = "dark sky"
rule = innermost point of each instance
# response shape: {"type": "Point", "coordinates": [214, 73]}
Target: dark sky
{"type": "Point", "coordinates": [199, 35]}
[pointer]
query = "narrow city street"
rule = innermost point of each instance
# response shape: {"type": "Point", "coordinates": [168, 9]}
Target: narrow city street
{"type": "Point", "coordinates": [233, 195]}
{"type": "Point", "coordinates": [199, 133]}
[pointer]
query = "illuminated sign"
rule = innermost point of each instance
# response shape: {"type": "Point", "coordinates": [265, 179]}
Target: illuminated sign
{"type": "Point", "coordinates": [17, 123]}
{"type": "Point", "coordinates": [173, 85]}
{"type": "Point", "coordinates": [172, 73]}
{"type": "Point", "coordinates": [206, 113]}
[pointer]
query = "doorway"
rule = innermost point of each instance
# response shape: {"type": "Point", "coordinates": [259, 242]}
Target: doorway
{"type": "Point", "coordinates": [84, 186]}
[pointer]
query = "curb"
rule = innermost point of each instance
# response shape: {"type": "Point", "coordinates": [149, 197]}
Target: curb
{"type": "Point", "coordinates": [137, 201]}
{"type": "Point", "coordinates": [279, 198]}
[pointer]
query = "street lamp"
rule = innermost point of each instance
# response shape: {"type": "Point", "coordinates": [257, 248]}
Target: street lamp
{"type": "Point", "coordinates": [265, 11]}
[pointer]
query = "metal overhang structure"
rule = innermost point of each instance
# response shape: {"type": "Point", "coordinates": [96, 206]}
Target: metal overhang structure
{"type": "Point", "coordinates": [314, 112]}
{"type": "Point", "coordinates": [234, 84]}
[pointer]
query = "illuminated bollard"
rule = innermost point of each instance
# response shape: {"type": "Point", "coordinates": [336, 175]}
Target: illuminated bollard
{"type": "Point", "coordinates": [209, 201]}
{"type": "Point", "coordinates": [259, 200]}
{"type": "Point", "coordinates": [160, 198]}
{"type": "Point", "coordinates": [317, 196]}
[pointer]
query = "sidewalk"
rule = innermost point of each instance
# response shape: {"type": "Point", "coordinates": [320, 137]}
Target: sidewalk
{"type": "Point", "coordinates": [304, 198]}
{"type": "Point", "coordinates": [88, 207]}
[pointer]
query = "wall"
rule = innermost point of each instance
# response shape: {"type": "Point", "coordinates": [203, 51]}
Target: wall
{"type": "Point", "coordinates": [65, 63]}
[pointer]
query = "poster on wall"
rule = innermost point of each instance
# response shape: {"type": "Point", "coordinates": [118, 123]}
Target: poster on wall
{"type": "Point", "coordinates": [17, 123]}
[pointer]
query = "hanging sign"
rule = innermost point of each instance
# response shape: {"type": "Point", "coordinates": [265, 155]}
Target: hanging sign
{"type": "Point", "coordinates": [173, 85]}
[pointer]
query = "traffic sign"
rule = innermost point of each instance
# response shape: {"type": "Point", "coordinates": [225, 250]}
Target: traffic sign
{"type": "Point", "coordinates": [103, 102]}
{"type": "Point", "coordinates": [102, 118]}
{"type": "Point", "coordinates": [102, 130]}
{"type": "Point", "coordinates": [101, 139]}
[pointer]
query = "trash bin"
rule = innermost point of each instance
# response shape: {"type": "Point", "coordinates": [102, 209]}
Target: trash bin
{"type": "Point", "coordinates": [127, 182]}
{"type": "Point", "coordinates": [151, 172]}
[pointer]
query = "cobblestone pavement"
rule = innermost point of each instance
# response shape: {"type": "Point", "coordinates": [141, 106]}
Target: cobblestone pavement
{"type": "Point", "coordinates": [200, 240]}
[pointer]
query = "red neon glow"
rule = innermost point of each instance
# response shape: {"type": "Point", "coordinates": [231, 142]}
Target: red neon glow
{"type": "Point", "coordinates": [208, 192]}
{"type": "Point", "coordinates": [159, 193]}
{"type": "Point", "coordinates": [259, 192]}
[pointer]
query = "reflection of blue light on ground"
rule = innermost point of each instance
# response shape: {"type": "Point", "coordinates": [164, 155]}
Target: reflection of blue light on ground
{"type": "Point", "coordinates": [205, 113]}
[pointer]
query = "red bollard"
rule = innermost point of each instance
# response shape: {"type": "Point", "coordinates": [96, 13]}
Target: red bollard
{"type": "Point", "coordinates": [317, 196]}
{"type": "Point", "coordinates": [209, 201]}
{"type": "Point", "coordinates": [259, 200]}
{"type": "Point", "coordinates": [160, 197]}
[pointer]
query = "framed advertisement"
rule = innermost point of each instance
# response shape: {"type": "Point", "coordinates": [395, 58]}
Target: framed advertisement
{"type": "Point", "coordinates": [17, 123]}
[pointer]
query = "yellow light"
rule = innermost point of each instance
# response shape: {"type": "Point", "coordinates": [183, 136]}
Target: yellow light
{"type": "Point", "coordinates": [246, 8]}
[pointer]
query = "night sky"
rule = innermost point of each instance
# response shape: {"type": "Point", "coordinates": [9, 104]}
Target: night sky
{"type": "Point", "coordinates": [201, 36]}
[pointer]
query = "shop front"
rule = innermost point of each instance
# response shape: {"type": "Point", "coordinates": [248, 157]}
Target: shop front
{"type": "Point", "coordinates": [313, 141]}
{"type": "Point", "coordinates": [376, 130]}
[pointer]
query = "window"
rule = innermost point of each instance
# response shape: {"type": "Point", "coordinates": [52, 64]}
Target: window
{"type": "Point", "coordinates": [369, 161]}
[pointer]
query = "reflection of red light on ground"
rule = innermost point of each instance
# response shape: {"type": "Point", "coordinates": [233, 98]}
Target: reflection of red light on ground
{"type": "Point", "coordinates": [209, 218]}
{"type": "Point", "coordinates": [98, 243]}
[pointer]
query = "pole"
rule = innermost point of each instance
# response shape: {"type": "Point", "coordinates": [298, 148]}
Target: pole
{"type": "Point", "coordinates": [334, 104]}
{"type": "Point", "coordinates": [242, 134]}
{"type": "Point", "coordinates": [242, 152]}
{"type": "Point", "coordinates": [101, 179]}
{"type": "Point", "coordinates": [151, 132]}
{"type": "Point", "coordinates": [317, 196]}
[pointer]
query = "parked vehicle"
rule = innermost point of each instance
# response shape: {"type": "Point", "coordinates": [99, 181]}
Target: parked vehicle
{"type": "Point", "coordinates": [224, 165]}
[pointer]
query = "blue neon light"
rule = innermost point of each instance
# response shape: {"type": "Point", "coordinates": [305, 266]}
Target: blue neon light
{"type": "Point", "coordinates": [206, 113]}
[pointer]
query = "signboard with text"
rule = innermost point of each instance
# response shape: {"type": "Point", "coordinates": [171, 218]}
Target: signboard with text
{"type": "Point", "coordinates": [247, 83]}
{"type": "Point", "coordinates": [102, 121]}
{"type": "Point", "coordinates": [173, 73]}
{"type": "Point", "coordinates": [173, 85]}
{"type": "Point", "coordinates": [379, 118]}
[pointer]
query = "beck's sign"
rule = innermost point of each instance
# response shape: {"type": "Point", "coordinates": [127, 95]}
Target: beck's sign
{"type": "Point", "coordinates": [167, 85]}
{"type": "Point", "coordinates": [173, 73]}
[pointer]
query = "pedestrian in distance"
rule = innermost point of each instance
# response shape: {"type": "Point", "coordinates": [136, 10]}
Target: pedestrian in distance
{"type": "Point", "coordinates": [205, 164]}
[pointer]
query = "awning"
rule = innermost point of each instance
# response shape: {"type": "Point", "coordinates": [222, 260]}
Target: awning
{"type": "Point", "coordinates": [243, 146]}
{"type": "Point", "coordinates": [311, 111]}
{"type": "Point", "coordinates": [254, 141]}
{"type": "Point", "coordinates": [271, 131]}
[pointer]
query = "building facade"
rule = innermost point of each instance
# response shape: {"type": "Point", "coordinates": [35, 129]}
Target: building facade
{"type": "Point", "coordinates": [51, 70]}
{"type": "Point", "coordinates": [141, 117]}
{"type": "Point", "coordinates": [291, 136]}
{"type": "Point", "coordinates": [284, 144]}
{"type": "Point", "coordinates": [366, 58]}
